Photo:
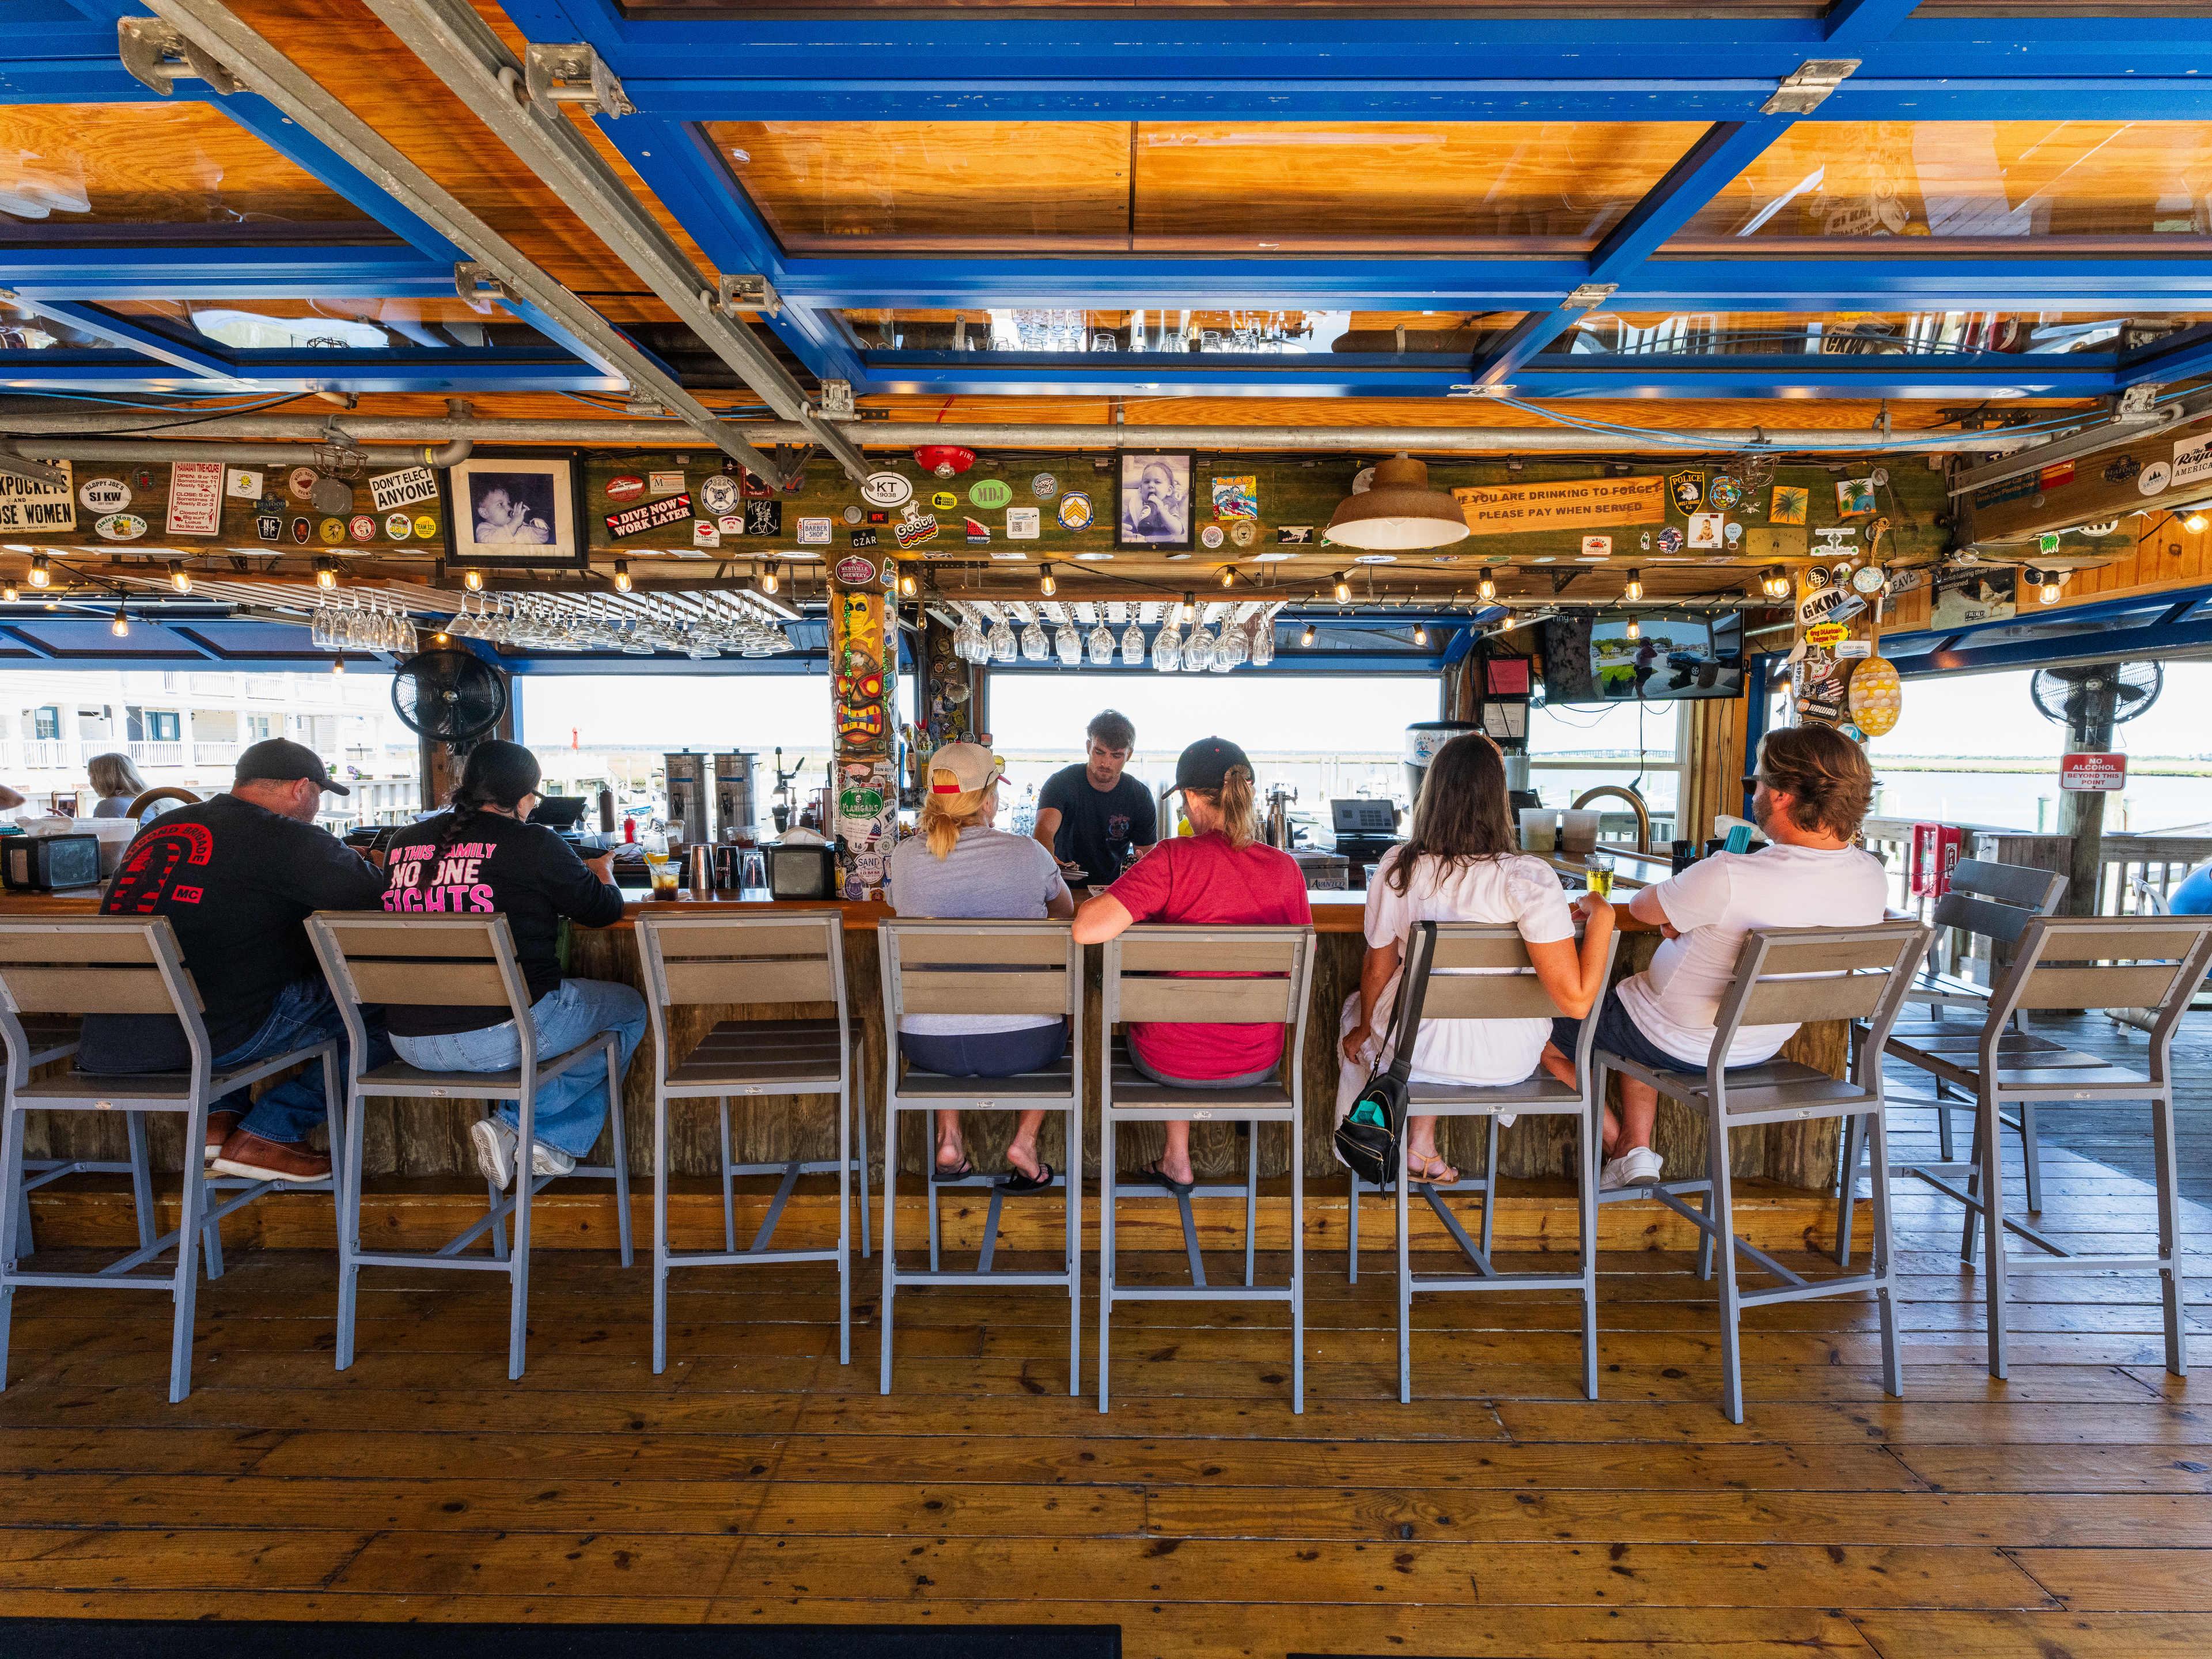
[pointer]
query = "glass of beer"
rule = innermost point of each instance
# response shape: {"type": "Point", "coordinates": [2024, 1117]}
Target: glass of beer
{"type": "Point", "coordinates": [1597, 870]}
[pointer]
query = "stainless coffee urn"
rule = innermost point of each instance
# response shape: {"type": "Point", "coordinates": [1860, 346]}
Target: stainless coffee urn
{"type": "Point", "coordinates": [733, 796]}
{"type": "Point", "coordinates": [686, 776]}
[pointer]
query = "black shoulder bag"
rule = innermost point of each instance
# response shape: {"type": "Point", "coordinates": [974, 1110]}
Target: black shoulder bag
{"type": "Point", "coordinates": [1370, 1137]}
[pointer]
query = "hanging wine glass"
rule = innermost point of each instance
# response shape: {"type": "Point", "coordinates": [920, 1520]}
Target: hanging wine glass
{"type": "Point", "coordinates": [1035, 647]}
{"type": "Point", "coordinates": [1003, 648]}
{"type": "Point", "coordinates": [1230, 650]}
{"type": "Point", "coordinates": [1101, 646]}
{"type": "Point", "coordinates": [1068, 644]}
{"type": "Point", "coordinates": [1167, 650]}
{"type": "Point", "coordinates": [1198, 650]}
{"type": "Point", "coordinates": [1132, 645]}
{"type": "Point", "coordinates": [1263, 641]}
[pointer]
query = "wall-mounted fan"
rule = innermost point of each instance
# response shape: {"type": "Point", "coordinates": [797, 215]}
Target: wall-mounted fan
{"type": "Point", "coordinates": [449, 697]}
{"type": "Point", "coordinates": [2065, 695]}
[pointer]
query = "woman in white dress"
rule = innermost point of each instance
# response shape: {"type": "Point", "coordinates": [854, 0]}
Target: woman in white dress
{"type": "Point", "coordinates": [1460, 863]}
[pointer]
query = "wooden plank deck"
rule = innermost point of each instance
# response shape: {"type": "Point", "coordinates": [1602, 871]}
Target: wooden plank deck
{"type": "Point", "coordinates": [2065, 1512]}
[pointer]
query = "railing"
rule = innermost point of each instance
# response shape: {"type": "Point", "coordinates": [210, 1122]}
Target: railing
{"type": "Point", "coordinates": [53, 754]}
{"type": "Point", "coordinates": [157, 754]}
{"type": "Point", "coordinates": [215, 754]}
{"type": "Point", "coordinates": [2160, 860]}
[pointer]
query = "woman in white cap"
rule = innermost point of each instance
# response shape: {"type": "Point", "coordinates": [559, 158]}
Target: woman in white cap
{"type": "Point", "coordinates": [959, 866]}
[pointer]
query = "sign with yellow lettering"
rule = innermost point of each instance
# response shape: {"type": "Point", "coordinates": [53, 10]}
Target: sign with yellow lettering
{"type": "Point", "coordinates": [1575, 504]}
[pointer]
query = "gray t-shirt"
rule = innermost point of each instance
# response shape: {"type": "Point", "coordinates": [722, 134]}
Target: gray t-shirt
{"type": "Point", "coordinates": [988, 874]}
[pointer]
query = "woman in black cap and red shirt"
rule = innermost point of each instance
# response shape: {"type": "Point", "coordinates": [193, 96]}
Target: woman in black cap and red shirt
{"type": "Point", "coordinates": [1220, 875]}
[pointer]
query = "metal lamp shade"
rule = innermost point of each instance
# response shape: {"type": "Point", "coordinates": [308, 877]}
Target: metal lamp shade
{"type": "Point", "coordinates": [1400, 511]}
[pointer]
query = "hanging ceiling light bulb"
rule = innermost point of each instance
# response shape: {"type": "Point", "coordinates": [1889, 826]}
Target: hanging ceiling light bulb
{"type": "Point", "coordinates": [326, 575]}
{"type": "Point", "coordinates": [1343, 589]}
{"type": "Point", "coordinates": [40, 573]}
{"type": "Point", "coordinates": [908, 586]}
{"type": "Point", "coordinates": [1635, 630]}
{"type": "Point", "coordinates": [2195, 523]}
{"type": "Point", "coordinates": [1046, 585]}
{"type": "Point", "coordinates": [1399, 511]}
{"type": "Point", "coordinates": [473, 580]}
{"type": "Point", "coordinates": [1306, 635]}
{"type": "Point", "coordinates": [621, 577]}
{"type": "Point", "coordinates": [2052, 582]}
{"type": "Point", "coordinates": [180, 578]}
{"type": "Point", "coordinates": [1187, 609]}
{"type": "Point", "coordinates": [1634, 588]}
{"type": "Point", "coordinates": [769, 580]}
{"type": "Point", "coordinates": [1420, 634]}
{"type": "Point", "coordinates": [121, 626]}
{"type": "Point", "coordinates": [1229, 575]}
{"type": "Point", "coordinates": [337, 665]}
{"type": "Point", "coordinates": [10, 592]}
{"type": "Point", "coordinates": [1487, 587]}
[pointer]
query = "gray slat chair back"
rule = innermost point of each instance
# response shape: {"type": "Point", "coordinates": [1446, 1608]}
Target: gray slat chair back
{"type": "Point", "coordinates": [63, 969]}
{"type": "Point", "coordinates": [933, 966]}
{"type": "Point", "coordinates": [1206, 976]}
{"type": "Point", "coordinates": [1998, 900]}
{"type": "Point", "coordinates": [373, 958]}
{"type": "Point", "coordinates": [771, 958]}
{"type": "Point", "coordinates": [2151, 962]}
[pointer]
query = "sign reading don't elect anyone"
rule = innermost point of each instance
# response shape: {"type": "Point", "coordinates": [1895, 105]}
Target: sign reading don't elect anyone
{"type": "Point", "coordinates": [1565, 504]}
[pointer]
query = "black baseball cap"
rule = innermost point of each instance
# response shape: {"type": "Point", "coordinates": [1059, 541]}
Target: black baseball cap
{"type": "Point", "coordinates": [279, 760]}
{"type": "Point", "coordinates": [1207, 763]}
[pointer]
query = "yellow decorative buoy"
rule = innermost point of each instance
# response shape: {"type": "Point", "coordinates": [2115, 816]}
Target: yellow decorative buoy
{"type": "Point", "coordinates": [1876, 697]}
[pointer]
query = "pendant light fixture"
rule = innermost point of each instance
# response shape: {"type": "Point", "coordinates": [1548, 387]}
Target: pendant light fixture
{"type": "Point", "coordinates": [121, 626]}
{"type": "Point", "coordinates": [180, 578]}
{"type": "Point", "coordinates": [1343, 589]}
{"type": "Point", "coordinates": [1046, 585]}
{"type": "Point", "coordinates": [1635, 629]}
{"type": "Point", "coordinates": [1634, 588]}
{"type": "Point", "coordinates": [1487, 587]}
{"type": "Point", "coordinates": [473, 580]}
{"type": "Point", "coordinates": [1400, 511]}
{"type": "Point", "coordinates": [40, 576]}
{"type": "Point", "coordinates": [1306, 635]}
{"type": "Point", "coordinates": [621, 577]}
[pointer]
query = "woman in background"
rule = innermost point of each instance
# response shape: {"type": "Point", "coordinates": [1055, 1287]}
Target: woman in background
{"type": "Point", "coordinates": [117, 782]}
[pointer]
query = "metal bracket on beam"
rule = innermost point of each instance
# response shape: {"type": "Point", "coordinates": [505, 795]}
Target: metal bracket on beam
{"type": "Point", "coordinates": [20, 466]}
{"type": "Point", "coordinates": [158, 56]}
{"type": "Point", "coordinates": [1590, 296]}
{"type": "Point", "coordinates": [837, 403]}
{"type": "Point", "coordinates": [1805, 90]}
{"type": "Point", "coordinates": [574, 74]}
{"type": "Point", "coordinates": [749, 293]}
{"type": "Point", "coordinates": [2139, 402]}
{"type": "Point", "coordinates": [1563, 580]}
{"type": "Point", "coordinates": [479, 289]}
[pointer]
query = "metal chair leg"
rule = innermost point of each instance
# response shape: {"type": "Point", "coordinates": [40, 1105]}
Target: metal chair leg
{"type": "Point", "coordinates": [1073, 1192]}
{"type": "Point", "coordinates": [1489, 1192]}
{"type": "Point", "coordinates": [350, 1228]}
{"type": "Point", "coordinates": [1884, 1251]}
{"type": "Point", "coordinates": [890, 1239]}
{"type": "Point", "coordinates": [1404, 1290]}
{"type": "Point", "coordinates": [1351, 1228]}
{"type": "Point", "coordinates": [1993, 1244]}
{"type": "Point", "coordinates": [1105, 1255]}
{"type": "Point", "coordinates": [518, 1311]}
{"type": "Point", "coordinates": [192, 1208]}
{"type": "Point", "coordinates": [929, 1186]}
{"type": "Point", "coordinates": [1945, 1147]}
{"type": "Point", "coordinates": [141, 1184]}
{"type": "Point", "coordinates": [729, 1182]}
{"type": "Point", "coordinates": [661, 1220]}
{"type": "Point", "coordinates": [621, 1150]}
{"type": "Point", "coordinates": [845, 1225]}
{"type": "Point", "coordinates": [2169, 1235]}
{"type": "Point", "coordinates": [2031, 1159]}
{"type": "Point", "coordinates": [1973, 1190]}
{"type": "Point", "coordinates": [1586, 1186]}
{"type": "Point", "coordinates": [1721, 1207]}
{"type": "Point", "coordinates": [1298, 1263]}
{"type": "Point", "coordinates": [860, 1121]}
{"type": "Point", "coordinates": [1847, 1187]}
{"type": "Point", "coordinates": [11, 1220]}
{"type": "Point", "coordinates": [1251, 1204]}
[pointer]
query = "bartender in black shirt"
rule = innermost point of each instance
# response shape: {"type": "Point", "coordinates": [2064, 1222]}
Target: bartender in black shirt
{"type": "Point", "coordinates": [1095, 819]}
{"type": "Point", "coordinates": [237, 875]}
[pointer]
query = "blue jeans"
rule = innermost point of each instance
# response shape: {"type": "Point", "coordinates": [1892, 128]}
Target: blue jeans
{"type": "Point", "coordinates": [986, 1054]}
{"type": "Point", "coordinates": [572, 1107]}
{"type": "Point", "coordinates": [302, 1013]}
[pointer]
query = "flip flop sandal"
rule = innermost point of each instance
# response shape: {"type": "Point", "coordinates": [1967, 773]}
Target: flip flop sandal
{"type": "Point", "coordinates": [1152, 1171]}
{"type": "Point", "coordinates": [965, 1169]}
{"type": "Point", "coordinates": [1428, 1177]}
{"type": "Point", "coordinates": [1017, 1185]}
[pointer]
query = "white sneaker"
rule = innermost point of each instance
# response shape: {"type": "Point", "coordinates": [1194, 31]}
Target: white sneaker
{"type": "Point", "coordinates": [495, 1145]}
{"type": "Point", "coordinates": [1633, 1168]}
{"type": "Point", "coordinates": [547, 1159]}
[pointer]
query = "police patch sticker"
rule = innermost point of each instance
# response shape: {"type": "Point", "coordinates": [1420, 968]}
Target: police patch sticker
{"type": "Point", "coordinates": [1075, 510]}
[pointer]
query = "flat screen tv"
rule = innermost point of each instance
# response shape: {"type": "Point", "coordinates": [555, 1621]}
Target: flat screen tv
{"type": "Point", "coordinates": [1679, 656]}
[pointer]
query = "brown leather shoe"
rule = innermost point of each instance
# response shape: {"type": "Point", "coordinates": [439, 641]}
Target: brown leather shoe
{"type": "Point", "coordinates": [221, 1127]}
{"type": "Point", "coordinates": [248, 1154]}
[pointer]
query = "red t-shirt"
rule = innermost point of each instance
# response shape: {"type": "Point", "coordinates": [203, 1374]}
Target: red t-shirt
{"type": "Point", "coordinates": [1202, 881]}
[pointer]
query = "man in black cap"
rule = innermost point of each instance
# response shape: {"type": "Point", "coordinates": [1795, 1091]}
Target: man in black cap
{"type": "Point", "coordinates": [237, 875]}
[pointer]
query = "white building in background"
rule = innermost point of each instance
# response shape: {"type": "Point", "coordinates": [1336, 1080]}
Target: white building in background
{"type": "Point", "coordinates": [185, 727]}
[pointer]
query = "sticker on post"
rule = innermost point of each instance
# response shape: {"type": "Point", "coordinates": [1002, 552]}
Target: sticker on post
{"type": "Point", "coordinates": [665, 484]}
{"type": "Point", "coordinates": [195, 499]}
{"type": "Point", "coordinates": [104, 494]}
{"type": "Point", "coordinates": [815, 532]}
{"type": "Point", "coordinates": [886, 490]}
{"type": "Point", "coordinates": [1075, 510]}
{"type": "Point", "coordinates": [243, 484]}
{"type": "Point", "coordinates": [389, 491]}
{"type": "Point", "coordinates": [647, 516]}
{"type": "Point", "coordinates": [705, 532]}
{"type": "Point", "coordinates": [855, 572]}
{"type": "Point", "coordinates": [1025, 524]}
{"type": "Point", "coordinates": [719, 494]}
{"type": "Point", "coordinates": [120, 527]}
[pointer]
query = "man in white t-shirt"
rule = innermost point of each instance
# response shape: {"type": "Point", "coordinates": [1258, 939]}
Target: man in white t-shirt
{"type": "Point", "coordinates": [1814, 786]}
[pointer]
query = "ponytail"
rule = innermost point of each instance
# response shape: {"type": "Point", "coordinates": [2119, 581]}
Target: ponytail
{"type": "Point", "coordinates": [943, 816]}
{"type": "Point", "coordinates": [1234, 801]}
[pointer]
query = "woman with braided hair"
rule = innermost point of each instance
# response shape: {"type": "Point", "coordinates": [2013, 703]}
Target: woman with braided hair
{"type": "Point", "coordinates": [481, 856]}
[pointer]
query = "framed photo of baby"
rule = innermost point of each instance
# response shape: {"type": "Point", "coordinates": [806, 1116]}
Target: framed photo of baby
{"type": "Point", "coordinates": [522, 510]}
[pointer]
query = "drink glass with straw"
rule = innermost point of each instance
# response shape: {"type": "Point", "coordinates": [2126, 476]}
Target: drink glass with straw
{"type": "Point", "coordinates": [1597, 868]}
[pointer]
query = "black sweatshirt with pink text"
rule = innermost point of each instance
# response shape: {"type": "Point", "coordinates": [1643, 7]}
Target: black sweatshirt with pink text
{"type": "Point", "coordinates": [490, 863]}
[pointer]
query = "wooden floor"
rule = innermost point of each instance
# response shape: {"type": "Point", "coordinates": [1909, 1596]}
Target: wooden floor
{"type": "Point", "coordinates": [2066, 1514]}
{"type": "Point", "coordinates": [2115, 1134]}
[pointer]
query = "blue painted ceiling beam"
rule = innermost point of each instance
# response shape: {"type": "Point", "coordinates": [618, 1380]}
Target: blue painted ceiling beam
{"type": "Point", "coordinates": [444, 373]}
{"type": "Point", "coordinates": [65, 271]}
{"type": "Point", "coordinates": [144, 342]}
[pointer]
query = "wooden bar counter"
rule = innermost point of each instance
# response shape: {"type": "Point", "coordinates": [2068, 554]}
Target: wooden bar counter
{"type": "Point", "coordinates": [429, 1138]}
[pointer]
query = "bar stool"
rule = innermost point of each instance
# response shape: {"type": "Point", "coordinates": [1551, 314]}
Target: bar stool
{"type": "Point", "coordinates": [126, 965]}
{"type": "Point", "coordinates": [778, 957]}
{"type": "Point", "coordinates": [51, 1039]}
{"type": "Point", "coordinates": [2093, 963]}
{"type": "Point", "coordinates": [933, 967]}
{"type": "Point", "coordinates": [372, 956]}
{"type": "Point", "coordinates": [1475, 971]}
{"type": "Point", "coordinates": [1996, 902]}
{"type": "Point", "coordinates": [1785, 976]}
{"type": "Point", "coordinates": [1253, 975]}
